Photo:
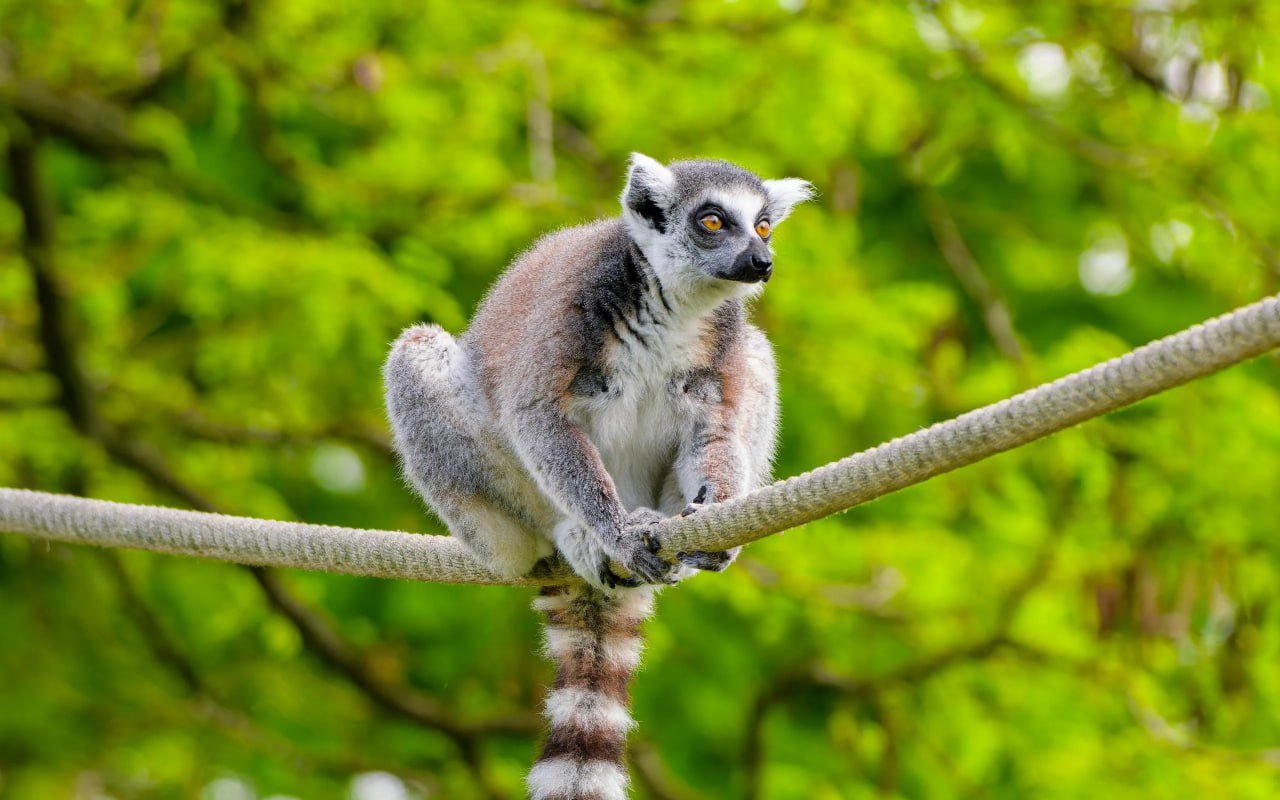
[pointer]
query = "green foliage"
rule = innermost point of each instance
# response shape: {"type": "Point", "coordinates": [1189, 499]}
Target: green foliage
{"type": "Point", "coordinates": [251, 199]}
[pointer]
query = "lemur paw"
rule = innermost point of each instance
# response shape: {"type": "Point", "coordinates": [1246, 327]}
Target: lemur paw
{"type": "Point", "coordinates": [708, 560]}
{"type": "Point", "coordinates": [640, 547]}
{"type": "Point", "coordinates": [612, 580]}
{"type": "Point", "coordinates": [705, 497]}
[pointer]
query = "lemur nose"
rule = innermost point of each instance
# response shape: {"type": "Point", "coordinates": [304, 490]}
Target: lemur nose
{"type": "Point", "coordinates": [751, 265]}
{"type": "Point", "coordinates": [763, 265]}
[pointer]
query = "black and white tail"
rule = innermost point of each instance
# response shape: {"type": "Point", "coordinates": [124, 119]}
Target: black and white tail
{"type": "Point", "coordinates": [594, 639]}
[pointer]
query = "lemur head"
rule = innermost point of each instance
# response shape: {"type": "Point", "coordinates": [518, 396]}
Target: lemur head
{"type": "Point", "coordinates": [707, 223]}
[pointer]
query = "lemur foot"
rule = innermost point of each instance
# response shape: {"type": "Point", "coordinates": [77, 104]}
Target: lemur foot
{"type": "Point", "coordinates": [711, 561]}
{"type": "Point", "coordinates": [703, 559]}
{"type": "Point", "coordinates": [612, 580]}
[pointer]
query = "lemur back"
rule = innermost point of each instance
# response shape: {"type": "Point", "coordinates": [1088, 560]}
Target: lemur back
{"type": "Point", "coordinates": [609, 379]}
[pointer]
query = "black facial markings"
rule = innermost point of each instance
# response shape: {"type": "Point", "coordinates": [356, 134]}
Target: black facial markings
{"type": "Point", "coordinates": [711, 240]}
{"type": "Point", "coordinates": [640, 200]}
{"type": "Point", "coordinates": [727, 221]}
{"type": "Point", "coordinates": [712, 208]}
{"type": "Point", "coordinates": [621, 290]}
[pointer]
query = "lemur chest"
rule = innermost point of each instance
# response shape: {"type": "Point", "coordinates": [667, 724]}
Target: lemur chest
{"type": "Point", "coordinates": [637, 408]}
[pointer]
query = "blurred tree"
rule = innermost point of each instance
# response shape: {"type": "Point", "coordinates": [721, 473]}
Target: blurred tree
{"type": "Point", "coordinates": [217, 215]}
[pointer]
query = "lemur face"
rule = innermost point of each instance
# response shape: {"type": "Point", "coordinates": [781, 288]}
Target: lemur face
{"type": "Point", "coordinates": [727, 233]}
{"type": "Point", "coordinates": [713, 221]}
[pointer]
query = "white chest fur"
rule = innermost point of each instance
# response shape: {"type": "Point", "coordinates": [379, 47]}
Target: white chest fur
{"type": "Point", "coordinates": [639, 420]}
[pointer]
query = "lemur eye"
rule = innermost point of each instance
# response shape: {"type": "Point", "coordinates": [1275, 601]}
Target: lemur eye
{"type": "Point", "coordinates": [712, 222]}
{"type": "Point", "coordinates": [763, 227]}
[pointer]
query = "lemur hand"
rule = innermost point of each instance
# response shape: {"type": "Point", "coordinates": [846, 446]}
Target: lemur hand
{"type": "Point", "coordinates": [638, 552]}
{"type": "Point", "coordinates": [699, 559]}
{"type": "Point", "coordinates": [705, 497]}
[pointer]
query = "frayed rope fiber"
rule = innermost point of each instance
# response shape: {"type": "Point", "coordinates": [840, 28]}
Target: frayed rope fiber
{"type": "Point", "coordinates": [1157, 367]}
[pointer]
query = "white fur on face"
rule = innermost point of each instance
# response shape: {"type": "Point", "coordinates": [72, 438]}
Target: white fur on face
{"type": "Point", "coordinates": [743, 205]}
{"type": "Point", "coordinates": [660, 183]}
{"type": "Point", "coordinates": [675, 265]}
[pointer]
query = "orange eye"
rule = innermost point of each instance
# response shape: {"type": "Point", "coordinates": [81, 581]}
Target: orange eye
{"type": "Point", "coordinates": [712, 222]}
{"type": "Point", "coordinates": [763, 228]}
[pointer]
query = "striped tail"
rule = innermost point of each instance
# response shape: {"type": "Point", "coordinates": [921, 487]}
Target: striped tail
{"type": "Point", "coordinates": [594, 639]}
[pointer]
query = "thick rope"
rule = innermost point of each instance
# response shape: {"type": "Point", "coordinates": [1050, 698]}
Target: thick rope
{"type": "Point", "coordinates": [1151, 369]}
{"type": "Point", "coordinates": [243, 540]}
{"type": "Point", "coordinates": [1036, 413]}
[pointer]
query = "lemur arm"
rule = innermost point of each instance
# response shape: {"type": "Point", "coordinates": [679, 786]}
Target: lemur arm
{"type": "Point", "coordinates": [569, 470]}
{"type": "Point", "coordinates": [711, 463]}
{"type": "Point", "coordinates": [730, 447]}
{"type": "Point", "coordinates": [567, 467]}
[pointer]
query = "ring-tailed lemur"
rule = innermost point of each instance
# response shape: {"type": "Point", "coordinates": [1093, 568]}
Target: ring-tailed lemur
{"type": "Point", "coordinates": [609, 378]}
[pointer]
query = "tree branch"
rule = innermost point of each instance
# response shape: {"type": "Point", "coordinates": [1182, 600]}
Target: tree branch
{"type": "Point", "coordinates": [205, 700]}
{"type": "Point", "coordinates": [956, 254]}
{"type": "Point", "coordinates": [77, 400]}
{"type": "Point", "coordinates": [37, 244]}
{"type": "Point", "coordinates": [95, 126]}
{"type": "Point", "coordinates": [817, 677]}
{"type": "Point", "coordinates": [654, 776]}
{"type": "Point", "coordinates": [1146, 167]}
{"type": "Point", "coordinates": [323, 640]}
{"type": "Point", "coordinates": [102, 129]}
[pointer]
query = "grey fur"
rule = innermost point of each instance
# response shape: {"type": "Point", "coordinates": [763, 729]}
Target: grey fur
{"type": "Point", "coordinates": [609, 378]}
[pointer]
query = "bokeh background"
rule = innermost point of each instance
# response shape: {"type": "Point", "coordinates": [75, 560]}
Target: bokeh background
{"type": "Point", "coordinates": [215, 217]}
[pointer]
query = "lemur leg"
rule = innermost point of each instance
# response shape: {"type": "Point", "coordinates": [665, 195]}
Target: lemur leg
{"type": "Point", "coordinates": [440, 422]}
{"type": "Point", "coordinates": [731, 447]}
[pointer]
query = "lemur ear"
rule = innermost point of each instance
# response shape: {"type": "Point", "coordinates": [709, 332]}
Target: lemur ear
{"type": "Point", "coordinates": [785, 194]}
{"type": "Point", "coordinates": [649, 190]}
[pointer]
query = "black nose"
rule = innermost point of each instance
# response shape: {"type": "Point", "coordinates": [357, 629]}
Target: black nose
{"type": "Point", "coordinates": [753, 265]}
{"type": "Point", "coordinates": [763, 266]}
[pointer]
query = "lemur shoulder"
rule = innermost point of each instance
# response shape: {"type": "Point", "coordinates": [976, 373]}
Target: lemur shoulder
{"type": "Point", "coordinates": [609, 379]}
